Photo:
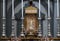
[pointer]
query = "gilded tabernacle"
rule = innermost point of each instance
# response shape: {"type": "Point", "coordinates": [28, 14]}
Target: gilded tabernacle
{"type": "Point", "coordinates": [31, 20]}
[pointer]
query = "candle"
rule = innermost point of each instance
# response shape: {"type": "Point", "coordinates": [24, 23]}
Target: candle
{"type": "Point", "coordinates": [22, 14]}
{"type": "Point", "coordinates": [49, 8]}
{"type": "Point", "coordinates": [3, 8]}
{"type": "Point", "coordinates": [22, 8]}
{"type": "Point", "coordinates": [12, 9]}
{"type": "Point", "coordinates": [57, 8]}
{"type": "Point", "coordinates": [39, 9]}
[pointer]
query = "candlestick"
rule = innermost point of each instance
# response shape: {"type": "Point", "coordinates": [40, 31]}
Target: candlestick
{"type": "Point", "coordinates": [13, 33]}
{"type": "Point", "coordinates": [49, 33]}
{"type": "Point", "coordinates": [57, 8]}
{"type": "Point", "coordinates": [3, 33]}
{"type": "Point", "coordinates": [14, 23]}
{"type": "Point", "coordinates": [39, 30]}
{"type": "Point", "coordinates": [22, 33]}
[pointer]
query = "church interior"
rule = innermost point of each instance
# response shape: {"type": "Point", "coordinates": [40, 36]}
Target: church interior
{"type": "Point", "coordinates": [29, 20]}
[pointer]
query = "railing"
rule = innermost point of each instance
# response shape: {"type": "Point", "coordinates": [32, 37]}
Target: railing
{"type": "Point", "coordinates": [26, 38]}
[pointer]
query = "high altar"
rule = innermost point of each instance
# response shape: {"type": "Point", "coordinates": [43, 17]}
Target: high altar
{"type": "Point", "coordinates": [30, 23]}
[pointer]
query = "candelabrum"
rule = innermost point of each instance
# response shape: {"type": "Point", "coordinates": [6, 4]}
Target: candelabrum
{"type": "Point", "coordinates": [22, 32]}
{"type": "Point", "coordinates": [49, 28]}
{"type": "Point", "coordinates": [39, 30]}
{"type": "Point", "coordinates": [58, 33]}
